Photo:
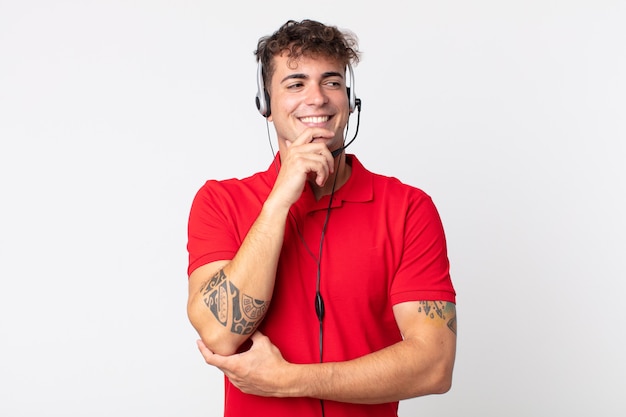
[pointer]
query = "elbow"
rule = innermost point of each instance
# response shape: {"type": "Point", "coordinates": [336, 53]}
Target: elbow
{"type": "Point", "coordinates": [442, 385]}
{"type": "Point", "coordinates": [441, 381]}
{"type": "Point", "coordinates": [436, 379]}
{"type": "Point", "coordinates": [213, 334]}
{"type": "Point", "coordinates": [441, 370]}
{"type": "Point", "coordinates": [219, 343]}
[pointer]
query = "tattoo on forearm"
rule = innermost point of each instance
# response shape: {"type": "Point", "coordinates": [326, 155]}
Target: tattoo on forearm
{"type": "Point", "coordinates": [215, 296]}
{"type": "Point", "coordinates": [227, 304]}
{"type": "Point", "coordinates": [247, 313]}
{"type": "Point", "coordinates": [440, 310]}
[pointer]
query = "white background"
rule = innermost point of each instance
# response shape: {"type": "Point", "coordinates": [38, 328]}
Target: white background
{"type": "Point", "coordinates": [510, 114]}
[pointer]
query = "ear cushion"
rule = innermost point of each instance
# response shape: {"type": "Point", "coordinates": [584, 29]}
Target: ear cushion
{"type": "Point", "coordinates": [263, 103]}
{"type": "Point", "coordinates": [262, 97]}
{"type": "Point", "coordinates": [268, 109]}
{"type": "Point", "coordinates": [351, 94]}
{"type": "Point", "coordinates": [351, 101]}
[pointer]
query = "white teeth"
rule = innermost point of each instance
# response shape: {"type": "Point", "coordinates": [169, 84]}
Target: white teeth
{"type": "Point", "coordinates": [317, 119]}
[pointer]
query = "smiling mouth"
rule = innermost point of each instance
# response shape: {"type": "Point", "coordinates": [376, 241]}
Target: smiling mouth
{"type": "Point", "coordinates": [315, 119]}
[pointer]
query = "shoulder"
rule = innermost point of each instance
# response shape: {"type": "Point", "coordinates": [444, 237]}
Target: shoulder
{"type": "Point", "coordinates": [236, 188]}
{"type": "Point", "coordinates": [386, 185]}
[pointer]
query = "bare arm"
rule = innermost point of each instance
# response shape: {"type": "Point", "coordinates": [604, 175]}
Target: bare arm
{"type": "Point", "coordinates": [421, 364]}
{"type": "Point", "coordinates": [228, 299]}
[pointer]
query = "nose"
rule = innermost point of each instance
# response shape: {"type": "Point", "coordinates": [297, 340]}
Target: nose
{"type": "Point", "coordinates": [316, 95]}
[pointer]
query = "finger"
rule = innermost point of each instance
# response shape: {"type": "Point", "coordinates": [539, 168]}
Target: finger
{"type": "Point", "coordinates": [308, 134]}
{"type": "Point", "coordinates": [205, 351]}
{"type": "Point", "coordinates": [209, 357]}
{"type": "Point", "coordinates": [313, 159]}
{"type": "Point", "coordinates": [256, 339]}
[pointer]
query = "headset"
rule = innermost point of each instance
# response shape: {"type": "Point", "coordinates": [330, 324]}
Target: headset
{"type": "Point", "coordinates": [263, 98]}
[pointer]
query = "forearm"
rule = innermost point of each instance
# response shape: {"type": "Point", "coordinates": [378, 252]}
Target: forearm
{"type": "Point", "coordinates": [227, 305]}
{"type": "Point", "coordinates": [391, 374]}
{"type": "Point", "coordinates": [253, 269]}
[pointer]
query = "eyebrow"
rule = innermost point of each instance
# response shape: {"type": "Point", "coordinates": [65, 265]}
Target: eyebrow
{"type": "Point", "coordinates": [304, 76]}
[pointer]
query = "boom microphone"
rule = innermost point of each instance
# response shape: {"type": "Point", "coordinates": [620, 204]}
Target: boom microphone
{"type": "Point", "coordinates": [338, 152]}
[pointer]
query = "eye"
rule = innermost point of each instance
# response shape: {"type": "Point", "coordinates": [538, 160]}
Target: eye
{"type": "Point", "coordinates": [334, 83]}
{"type": "Point", "coordinates": [295, 85]}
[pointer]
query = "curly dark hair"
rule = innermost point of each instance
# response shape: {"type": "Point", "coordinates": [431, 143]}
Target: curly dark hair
{"type": "Point", "coordinates": [306, 38]}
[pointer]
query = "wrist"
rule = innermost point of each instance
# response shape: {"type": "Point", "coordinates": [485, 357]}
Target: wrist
{"type": "Point", "coordinates": [274, 206]}
{"type": "Point", "coordinates": [295, 381]}
{"type": "Point", "coordinates": [308, 380]}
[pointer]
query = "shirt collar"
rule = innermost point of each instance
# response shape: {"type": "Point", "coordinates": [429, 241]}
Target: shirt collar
{"type": "Point", "coordinates": [358, 188]}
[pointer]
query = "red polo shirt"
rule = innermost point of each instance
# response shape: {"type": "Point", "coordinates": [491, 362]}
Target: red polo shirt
{"type": "Point", "coordinates": [384, 244]}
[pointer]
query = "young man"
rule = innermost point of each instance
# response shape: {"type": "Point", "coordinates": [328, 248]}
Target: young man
{"type": "Point", "coordinates": [316, 286]}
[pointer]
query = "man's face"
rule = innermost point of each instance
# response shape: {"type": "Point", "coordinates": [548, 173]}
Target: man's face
{"type": "Point", "coordinates": [310, 92]}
